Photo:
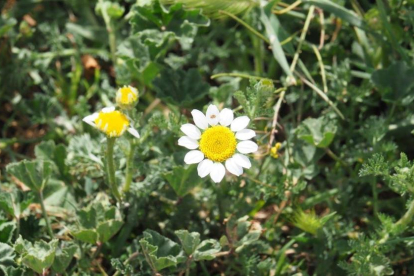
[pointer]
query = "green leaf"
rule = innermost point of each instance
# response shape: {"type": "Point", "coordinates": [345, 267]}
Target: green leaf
{"type": "Point", "coordinates": [64, 256]}
{"type": "Point", "coordinates": [376, 165]}
{"type": "Point", "coordinates": [6, 204]}
{"type": "Point", "coordinates": [180, 87]}
{"type": "Point", "coordinates": [395, 83]}
{"type": "Point", "coordinates": [47, 150]}
{"type": "Point", "coordinates": [6, 231]}
{"type": "Point", "coordinates": [6, 255]}
{"type": "Point", "coordinates": [189, 241]}
{"type": "Point", "coordinates": [269, 20]}
{"type": "Point", "coordinates": [339, 11]}
{"type": "Point", "coordinates": [207, 250]}
{"type": "Point", "coordinates": [182, 24]}
{"type": "Point", "coordinates": [240, 233]}
{"type": "Point", "coordinates": [34, 174]}
{"type": "Point", "coordinates": [319, 132]}
{"type": "Point", "coordinates": [97, 223]}
{"type": "Point", "coordinates": [183, 180]}
{"type": "Point", "coordinates": [160, 251]}
{"type": "Point", "coordinates": [86, 235]}
{"type": "Point", "coordinates": [39, 256]}
{"type": "Point", "coordinates": [108, 229]}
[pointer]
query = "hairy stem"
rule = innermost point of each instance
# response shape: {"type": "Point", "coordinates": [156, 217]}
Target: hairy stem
{"type": "Point", "coordinates": [130, 159]}
{"type": "Point", "coordinates": [110, 166]}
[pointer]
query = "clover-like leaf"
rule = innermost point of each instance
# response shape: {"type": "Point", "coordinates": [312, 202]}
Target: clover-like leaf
{"type": "Point", "coordinates": [38, 256]}
{"type": "Point", "coordinates": [160, 251]}
{"type": "Point", "coordinates": [182, 180]}
{"type": "Point", "coordinates": [319, 132]}
{"type": "Point", "coordinates": [34, 174]}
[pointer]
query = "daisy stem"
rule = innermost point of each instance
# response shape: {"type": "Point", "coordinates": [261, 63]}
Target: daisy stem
{"type": "Point", "coordinates": [110, 166]}
{"type": "Point", "coordinates": [128, 176]}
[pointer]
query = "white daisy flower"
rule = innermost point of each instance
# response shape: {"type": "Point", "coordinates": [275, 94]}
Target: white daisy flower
{"type": "Point", "coordinates": [111, 122]}
{"type": "Point", "coordinates": [218, 138]}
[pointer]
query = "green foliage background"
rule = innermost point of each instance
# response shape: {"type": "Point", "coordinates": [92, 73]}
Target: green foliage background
{"type": "Point", "coordinates": [332, 81]}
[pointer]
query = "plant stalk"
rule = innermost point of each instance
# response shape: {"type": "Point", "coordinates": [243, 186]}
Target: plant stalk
{"type": "Point", "coordinates": [110, 166]}
{"type": "Point", "coordinates": [48, 226]}
{"type": "Point", "coordinates": [130, 159]}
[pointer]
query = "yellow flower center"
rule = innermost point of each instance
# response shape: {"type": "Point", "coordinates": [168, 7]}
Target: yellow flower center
{"type": "Point", "coordinates": [126, 96]}
{"type": "Point", "coordinates": [218, 143]}
{"type": "Point", "coordinates": [112, 123]}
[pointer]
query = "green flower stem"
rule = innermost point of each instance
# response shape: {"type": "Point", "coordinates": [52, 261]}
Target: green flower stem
{"type": "Point", "coordinates": [110, 166]}
{"type": "Point", "coordinates": [130, 159]}
{"type": "Point", "coordinates": [42, 204]}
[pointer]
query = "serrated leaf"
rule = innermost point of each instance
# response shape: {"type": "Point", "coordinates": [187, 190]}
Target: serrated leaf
{"type": "Point", "coordinates": [180, 87]}
{"type": "Point", "coordinates": [63, 257]}
{"type": "Point", "coordinates": [189, 241]}
{"type": "Point", "coordinates": [182, 180]}
{"type": "Point", "coordinates": [319, 132]}
{"type": "Point", "coordinates": [34, 174]}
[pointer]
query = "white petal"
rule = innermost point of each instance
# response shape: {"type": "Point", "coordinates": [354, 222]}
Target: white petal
{"type": "Point", "coordinates": [199, 119]}
{"type": "Point", "coordinates": [217, 172]}
{"type": "Point", "coordinates": [90, 119]}
{"type": "Point", "coordinates": [226, 117]}
{"type": "Point", "coordinates": [245, 134]}
{"type": "Point", "coordinates": [247, 147]}
{"type": "Point", "coordinates": [108, 109]}
{"type": "Point", "coordinates": [193, 157]}
{"type": "Point", "coordinates": [232, 167]}
{"type": "Point", "coordinates": [213, 115]}
{"type": "Point", "coordinates": [204, 167]}
{"type": "Point", "coordinates": [187, 142]}
{"type": "Point", "coordinates": [240, 123]}
{"type": "Point", "coordinates": [242, 160]}
{"type": "Point", "coordinates": [134, 132]}
{"type": "Point", "coordinates": [191, 131]}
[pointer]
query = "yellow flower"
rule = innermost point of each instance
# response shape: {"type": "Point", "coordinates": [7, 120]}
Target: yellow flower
{"type": "Point", "coordinates": [274, 151]}
{"type": "Point", "coordinates": [126, 96]}
{"type": "Point", "coordinates": [111, 122]}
